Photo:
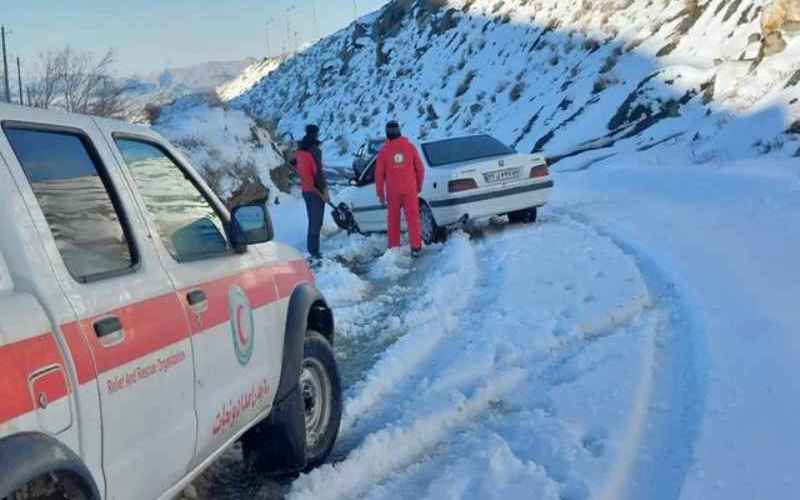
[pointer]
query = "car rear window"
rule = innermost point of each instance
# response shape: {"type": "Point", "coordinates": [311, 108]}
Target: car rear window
{"type": "Point", "coordinates": [464, 149]}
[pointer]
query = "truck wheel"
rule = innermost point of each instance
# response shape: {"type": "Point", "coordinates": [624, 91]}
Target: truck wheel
{"type": "Point", "coordinates": [431, 232]}
{"type": "Point", "coordinates": [51, 487]}
{"type": "Point", "coordinates": [526, 216]}
{"type": "Point", "coordinates": [321, 389]}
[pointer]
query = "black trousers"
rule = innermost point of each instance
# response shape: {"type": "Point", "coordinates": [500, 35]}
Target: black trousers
{"type": "Point", "coordinates": [315, 208]}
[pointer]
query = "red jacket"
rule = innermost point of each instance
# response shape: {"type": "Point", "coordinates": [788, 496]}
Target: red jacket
{"type": "Point", "coordinates": [400, 168]}
{"type": "Point", "coordinates": [307, 170]}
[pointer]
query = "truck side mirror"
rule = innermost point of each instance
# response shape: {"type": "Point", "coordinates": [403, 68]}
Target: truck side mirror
{"type": "Point", "coordinates": [251, 225]}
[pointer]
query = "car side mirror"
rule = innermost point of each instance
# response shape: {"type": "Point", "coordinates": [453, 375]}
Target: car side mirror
{"type": "Point", "coordinates": [251, 225]}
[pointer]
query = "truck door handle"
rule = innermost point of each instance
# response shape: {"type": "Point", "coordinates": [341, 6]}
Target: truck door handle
{"type": "Point", "coordinates": [197, 300]}
{"type": "Point", "coordinates": [108, 326]}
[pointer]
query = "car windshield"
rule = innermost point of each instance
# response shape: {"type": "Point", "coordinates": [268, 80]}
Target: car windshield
{"type": "Point", "coordinates": [464, 149]}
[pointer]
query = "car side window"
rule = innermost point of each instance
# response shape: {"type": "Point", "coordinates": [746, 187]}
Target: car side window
{"type": "Point", "coordinates": [368, 177]}
{"type": "Point", "coordinates": [78, 201]}
{"type": "Point", "coordinates": [187, 223]}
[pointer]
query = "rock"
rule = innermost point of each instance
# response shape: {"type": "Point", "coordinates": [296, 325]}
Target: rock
{"type": "Point", "coordinates": [270, 491]}
{"type": "Point", "coordinates": [772, 44]}
{"type": "Point", "coordinates": [190, 493]}
{"type": "Point", "coordinates": [778, 14]}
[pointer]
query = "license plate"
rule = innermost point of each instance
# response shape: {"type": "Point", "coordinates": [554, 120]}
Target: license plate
{"type": "Point", "coordinates": [509, 174]}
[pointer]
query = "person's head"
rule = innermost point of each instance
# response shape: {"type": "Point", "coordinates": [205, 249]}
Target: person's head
{"type": "Point", "coordinates": [393, 130]}
{"type": "Point", "coordinates": [310, 140]}
{"type": "Point", "coordinates": [312, 132]}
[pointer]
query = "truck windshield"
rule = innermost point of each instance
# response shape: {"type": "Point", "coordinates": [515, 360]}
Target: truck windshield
{"type": "Point", "coordinates": [464, 149]}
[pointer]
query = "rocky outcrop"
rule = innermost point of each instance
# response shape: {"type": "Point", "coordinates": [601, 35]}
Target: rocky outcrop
{"type": "Point", "coordinates": [779, 17]}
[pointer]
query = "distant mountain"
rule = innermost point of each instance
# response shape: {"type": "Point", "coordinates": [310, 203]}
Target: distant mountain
{"type": "Point", "coordinates": [191, 79]}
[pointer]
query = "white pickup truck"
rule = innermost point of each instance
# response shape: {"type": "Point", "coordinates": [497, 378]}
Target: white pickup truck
{"type": "Point", "coordinates": [144, 328]}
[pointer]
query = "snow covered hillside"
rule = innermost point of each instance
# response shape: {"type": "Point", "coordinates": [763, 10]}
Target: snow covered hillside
{"type": "Point", "coordinates": [229, 149]}
{"type": "Point", "coordinates": [720, 77]}
{"type": "Point", "coordinates": [248, 78]}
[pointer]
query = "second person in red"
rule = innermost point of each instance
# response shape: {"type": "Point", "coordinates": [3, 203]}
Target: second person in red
{"type": "Point", "coordinates": [399, 175]}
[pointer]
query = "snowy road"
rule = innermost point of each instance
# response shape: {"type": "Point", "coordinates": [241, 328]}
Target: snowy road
{"type": "Point", "coordinates": [606, 352]}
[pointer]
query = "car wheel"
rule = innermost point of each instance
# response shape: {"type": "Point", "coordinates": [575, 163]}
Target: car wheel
{"type": "Point", "coordinates": [431, 232]}
{"type": "Point", "coordinates": [526, 216]}
{"type": "Point", "coordinates": [321, 389]}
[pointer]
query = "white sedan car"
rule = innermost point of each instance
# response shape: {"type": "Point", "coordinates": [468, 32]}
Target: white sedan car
{"type": "Point", "coordinates": [466, 179]}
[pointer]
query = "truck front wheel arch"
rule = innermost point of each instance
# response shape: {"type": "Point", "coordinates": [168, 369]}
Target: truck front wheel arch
{"type": "Point", "coordinates": [31, 457]}
{"type": "Point", "coordinates": [278, 445]}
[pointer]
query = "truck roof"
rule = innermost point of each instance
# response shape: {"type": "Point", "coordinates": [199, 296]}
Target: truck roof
{"type": "Point", "coordinates": [5, 277]}
{"type": "Point", "coordinates": [46, 115]}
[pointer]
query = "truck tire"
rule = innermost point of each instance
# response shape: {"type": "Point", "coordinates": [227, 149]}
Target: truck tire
{"type": "Point", "coordinates": [321, 389]}
{"type": "Point", "coordinates": [526, 216]}
{"type": "Point", "coordinates": [51, 487]}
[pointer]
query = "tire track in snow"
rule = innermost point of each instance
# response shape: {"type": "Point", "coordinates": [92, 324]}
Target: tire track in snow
{"type": "Point", "coordinates": [432, 318]}
{"type": "Point", "coordinates": [657, 466]}
{"type": "Point", "coordinates": [394, 415]}
{"type": "Point", "coordinates": [371, 463]}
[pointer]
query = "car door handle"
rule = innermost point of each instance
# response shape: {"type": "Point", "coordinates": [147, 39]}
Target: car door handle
{"type": "Point", "coordinates": [197, 300]}
{"type": "Point", "coordinates": [110, 331]}
{"type": "Point", "coordinates": [107, 326]}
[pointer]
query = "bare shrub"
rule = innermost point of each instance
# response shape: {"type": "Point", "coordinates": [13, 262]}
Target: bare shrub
{"type": "Point", "coordinates": [77, 82]}
{"type": "Point", "coordinates": [465, 84]}
{"type": "Point", "coordinates": [517, 91]}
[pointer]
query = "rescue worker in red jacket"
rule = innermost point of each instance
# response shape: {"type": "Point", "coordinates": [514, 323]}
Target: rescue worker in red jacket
{"type": "Point", "coordinates": [399, 175]}
{"type": "Point", "coordinates": [314, 184]}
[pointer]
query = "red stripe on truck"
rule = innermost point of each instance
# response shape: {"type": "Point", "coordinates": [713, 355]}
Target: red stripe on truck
{"type": "Point", "coordinates": [150, 326]}
{"type": "Point", "coordinates": [18, 361]}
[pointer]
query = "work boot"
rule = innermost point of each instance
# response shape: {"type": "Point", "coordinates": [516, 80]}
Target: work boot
{"type": "Point", "coordinates": [315, 261]}
{"type": "Point", "coordinates": [416, 252]}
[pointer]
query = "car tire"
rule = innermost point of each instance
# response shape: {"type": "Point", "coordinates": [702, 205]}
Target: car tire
{"type": "Point", "coordinates": [321, 389]}
{"type": "Point", "coordinates": [431, 231]}
{"type": "Point", "coordinates": [526, 216]}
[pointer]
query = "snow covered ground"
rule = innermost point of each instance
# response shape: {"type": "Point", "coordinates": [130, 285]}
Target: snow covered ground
{"type": "Point", "coordinates": [638, 342]}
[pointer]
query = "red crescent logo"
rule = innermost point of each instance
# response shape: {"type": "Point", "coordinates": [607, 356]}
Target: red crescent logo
{"type": "Point", "coordinates": [243, 335]}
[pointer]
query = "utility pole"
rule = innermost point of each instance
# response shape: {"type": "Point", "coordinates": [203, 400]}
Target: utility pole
{"type": "Point", "coordinates": [269, 48]}
{"type": "Point", "coordinates": [5, 64]}
{"type": "Point", "coordinates": [289, 11]}
{"type": "Point", "coordinates": [19, 79]}
{"type": "Point", "coordinates": [355, 11]}
{"type": "Point", "coordinates": [316, 19]}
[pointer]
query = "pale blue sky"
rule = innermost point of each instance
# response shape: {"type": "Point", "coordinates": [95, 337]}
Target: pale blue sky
{"type": "Point", "coordinates": [151, 34]}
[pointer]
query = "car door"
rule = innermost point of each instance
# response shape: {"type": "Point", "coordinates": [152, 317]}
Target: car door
{"type": "Point", "coordinates": [135, 328]}
{"type": "Point", "coordinates": [367, 209]}
{"type": "Point", "coordinates": [230, 297]}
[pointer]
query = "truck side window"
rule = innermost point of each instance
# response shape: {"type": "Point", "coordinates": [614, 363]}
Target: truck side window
{"type": "Point", "coordinates": [77, 200]}
{"type": "Point", "coordinates": [188, 225]}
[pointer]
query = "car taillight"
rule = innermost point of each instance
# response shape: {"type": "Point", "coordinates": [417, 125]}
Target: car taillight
{"type": "Point", "coordinates": [539, 171]}
{"type": "Point", "coordinates": [461, 185]}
